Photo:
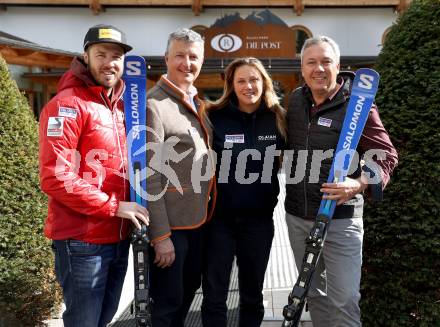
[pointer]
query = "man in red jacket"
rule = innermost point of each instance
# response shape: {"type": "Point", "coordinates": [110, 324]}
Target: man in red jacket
{"type": "Point", "coordinates": [83, 159]}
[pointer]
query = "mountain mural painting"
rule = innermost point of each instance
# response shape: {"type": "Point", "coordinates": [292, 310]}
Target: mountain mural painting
{"type": "Point", "coordinates": [261, 35]}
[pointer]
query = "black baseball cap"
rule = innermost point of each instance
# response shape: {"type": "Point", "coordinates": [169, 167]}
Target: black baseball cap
{"type": "Point", "coordinates": [106, 34]}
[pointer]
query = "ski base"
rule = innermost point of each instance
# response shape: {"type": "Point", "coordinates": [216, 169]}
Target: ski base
{"type": "Point", "coordinates": [297, 298]}
{"type": "Point", "coordinates": [142, 302]}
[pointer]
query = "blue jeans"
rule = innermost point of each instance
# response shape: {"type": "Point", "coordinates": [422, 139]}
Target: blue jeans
{"type": "Point", "coordinates": [92, 276]}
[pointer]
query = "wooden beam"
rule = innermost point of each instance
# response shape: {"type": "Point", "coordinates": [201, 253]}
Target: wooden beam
{"type": "Point", "coordinates": [5, 51]}
{"type": "Point", "coordinates": [350, 3]}
{"type": "Point", "coordinates": [305, 3]}
{"type": "Point", "coordinates": [147, 3]}
{"type": "Point", "coordinates": [247, 3]}
{"type": "Point", "coordinates": [45, 2]}
{"type": "Point", "coordinates": [95, 6]}
{"type": "Point", "coordinates": [213, 3]}
{"type": "Point", "coordinates": [298, 7]}
{"type": "Point", "coordinates": [402, 6]}
{"type": "Point", "coordinates": [98, 6]}
{"type": "Point", "coordinates": [35, 59]}
{"type": "Point", "coordinates": [197, 7]}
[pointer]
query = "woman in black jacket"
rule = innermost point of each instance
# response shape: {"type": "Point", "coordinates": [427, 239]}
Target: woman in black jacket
{"type": "Point", "coordinates": [249, 132]}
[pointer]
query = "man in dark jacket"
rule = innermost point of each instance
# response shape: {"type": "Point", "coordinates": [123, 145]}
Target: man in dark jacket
{"type": "Point", "coordinates": [315, 115]}
{"type": "Point", "coordinates": [83, 158]}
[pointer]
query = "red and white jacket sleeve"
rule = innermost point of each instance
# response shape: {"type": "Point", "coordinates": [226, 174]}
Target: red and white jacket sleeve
{"type": "Point", "coordinates": [61, 125]}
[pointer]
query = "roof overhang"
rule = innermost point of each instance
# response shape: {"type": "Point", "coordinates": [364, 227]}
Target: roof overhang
{"type": "Point", "coordinates": [21, 52]}
{"type": "Point", "coordinates": [197, 6]}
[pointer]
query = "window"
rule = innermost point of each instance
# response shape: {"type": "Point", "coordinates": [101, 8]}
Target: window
{"type": "Point", "coordinates": [302, 33]}
{"type": "Point", "coordinates": [199, 29]}
{"type": "Point", "coordinates": [385, 35]}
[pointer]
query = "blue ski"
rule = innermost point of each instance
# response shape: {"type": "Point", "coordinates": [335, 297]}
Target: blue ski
{"type": "Point", "coordinates": [135, 120]}
{"type": "Point", "coordinates": [363, 91]}
{"type": "Point", "coordinates": [362, 96]}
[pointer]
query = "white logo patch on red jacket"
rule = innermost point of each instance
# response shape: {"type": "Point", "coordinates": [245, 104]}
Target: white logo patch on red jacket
{"type": "Point", "coordinates": [55, 126]}
{"type": "Point", "coordinates": [67, 112]}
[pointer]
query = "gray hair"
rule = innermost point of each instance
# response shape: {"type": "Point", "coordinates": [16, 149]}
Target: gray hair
{"type": "Point", "coordinates": [322, 39]}
{"type": "Point", "coordinates": [185, 35]}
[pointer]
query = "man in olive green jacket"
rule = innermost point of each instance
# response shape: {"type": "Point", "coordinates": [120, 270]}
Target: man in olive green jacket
{"type": "Point", "coordinates": [180, 180]}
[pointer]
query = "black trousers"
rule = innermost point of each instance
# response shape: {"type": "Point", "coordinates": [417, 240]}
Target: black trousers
{"type": "Point", "coordinates": [249, 238]}
{"type": "Point", "coordinates": [173, 288]}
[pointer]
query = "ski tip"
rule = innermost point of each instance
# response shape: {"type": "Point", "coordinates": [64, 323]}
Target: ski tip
{"type": "Point", "coordinates": [369, 71]}
{"type": "Point", "coordinates": [366, 81]}
{"type": "Point", "coordinates": [135, 58]}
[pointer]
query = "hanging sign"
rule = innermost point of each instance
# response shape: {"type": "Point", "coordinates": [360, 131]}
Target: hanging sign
{"type": "Point", "coordinates": [261, 35]}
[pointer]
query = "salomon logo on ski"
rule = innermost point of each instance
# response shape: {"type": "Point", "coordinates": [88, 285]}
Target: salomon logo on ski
{"type": "Point", "coordinates": [134, 67]}
{"type": "Point", "coordinates": [366, 81]}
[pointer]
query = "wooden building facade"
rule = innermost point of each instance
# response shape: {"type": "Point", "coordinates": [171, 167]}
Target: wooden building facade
{"type": "Point", "coordinates": [280, 27]}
